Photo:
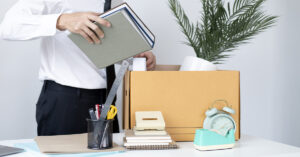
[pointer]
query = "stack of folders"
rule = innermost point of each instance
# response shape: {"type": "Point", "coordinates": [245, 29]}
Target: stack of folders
{"type": "Point", "coordinates": [148, 142]}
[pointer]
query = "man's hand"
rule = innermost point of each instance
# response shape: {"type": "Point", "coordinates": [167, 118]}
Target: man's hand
{"type": "Point", "coordinates": [151, 59]}
{"type": "Point", "coordinates": [83, 24]}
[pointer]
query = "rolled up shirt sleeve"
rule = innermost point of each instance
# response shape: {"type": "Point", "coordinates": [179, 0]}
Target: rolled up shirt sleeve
{"type": "Point", "coordinates": [30, 19]}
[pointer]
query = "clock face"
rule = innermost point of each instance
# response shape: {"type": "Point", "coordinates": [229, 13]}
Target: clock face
{"type": "Point", "coordinates": [222, 123]}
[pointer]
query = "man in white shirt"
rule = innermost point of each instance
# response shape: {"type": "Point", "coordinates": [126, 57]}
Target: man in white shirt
{"type": "Point", "coordinates": [72, 83]}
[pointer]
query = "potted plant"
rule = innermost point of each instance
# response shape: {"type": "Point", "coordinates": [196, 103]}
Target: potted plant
{"type": "Point", "coordinates": [222, 28]}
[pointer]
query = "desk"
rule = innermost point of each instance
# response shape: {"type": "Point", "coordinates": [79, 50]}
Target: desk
{"type": "Point", "coordinates": [248, 146]}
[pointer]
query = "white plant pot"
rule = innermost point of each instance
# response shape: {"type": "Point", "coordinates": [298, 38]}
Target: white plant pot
{"type": "Point", "coordinates": [191, 63]}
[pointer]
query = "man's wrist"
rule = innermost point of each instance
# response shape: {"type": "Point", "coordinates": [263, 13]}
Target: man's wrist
{"type": "Point", "coordinates": [60, 24]}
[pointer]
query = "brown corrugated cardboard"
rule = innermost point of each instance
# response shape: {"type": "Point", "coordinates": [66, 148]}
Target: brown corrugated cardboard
{"type": "Point", "coordinates": [182, 97]}
{"type": "Point", "coordinates": [126, 101]}
{"type": "Point", "coordinates": [183, 137]}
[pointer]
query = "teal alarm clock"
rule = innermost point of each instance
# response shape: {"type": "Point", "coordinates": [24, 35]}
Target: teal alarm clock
{"type": "Point", "coordinates": [219, 120]}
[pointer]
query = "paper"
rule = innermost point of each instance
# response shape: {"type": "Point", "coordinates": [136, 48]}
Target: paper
{"type": "Point", "coordinates": [130, 135]}
{"type": "Point", "coordinates": [33, 150]}
{"type": "Point", "coordinates": [139, 64]}
{"type": "Point", "coordinates": [191, 63]}
{"type": "Point", "coordinates": [69, 144]}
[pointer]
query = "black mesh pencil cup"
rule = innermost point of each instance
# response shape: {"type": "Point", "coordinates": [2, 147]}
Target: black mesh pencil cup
{"type": "Point", "coordinates": [100, 134]}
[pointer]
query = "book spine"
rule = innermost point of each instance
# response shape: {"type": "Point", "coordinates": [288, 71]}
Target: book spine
{"type": "Point", "coordinates": [148, 141]}
{"type": "Point", "coordinates": [153, 147]}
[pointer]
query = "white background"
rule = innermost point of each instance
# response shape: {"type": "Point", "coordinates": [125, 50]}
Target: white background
{"type": "Point", "coordinates": [269, 68]}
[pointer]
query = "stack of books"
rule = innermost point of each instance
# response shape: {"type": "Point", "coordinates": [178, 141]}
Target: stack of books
{"type": "Point", "coordinates": [148, 142]}
{"type": "Point", "coordinates": [127, 37]}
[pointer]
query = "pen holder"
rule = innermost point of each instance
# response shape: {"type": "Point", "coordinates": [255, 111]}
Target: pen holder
{"type": "Point", "coordinates": [100, 134]}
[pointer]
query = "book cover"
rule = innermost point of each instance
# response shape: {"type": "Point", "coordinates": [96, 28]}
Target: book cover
{"type": "Point", "coordinates": [129, 135]}
{"type": "Point", "coordinates": [123, 40]}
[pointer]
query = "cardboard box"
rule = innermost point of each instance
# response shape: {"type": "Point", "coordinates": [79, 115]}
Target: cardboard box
{"type": "Point", "coordinates": [182, 97]}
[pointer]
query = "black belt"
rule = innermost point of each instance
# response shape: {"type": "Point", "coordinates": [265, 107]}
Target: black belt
{"type": "Point", "coordinates": [53, 86]}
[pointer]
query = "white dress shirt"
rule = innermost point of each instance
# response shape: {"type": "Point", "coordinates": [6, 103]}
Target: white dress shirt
{"type": "Point", "coordinates": [61, 60]}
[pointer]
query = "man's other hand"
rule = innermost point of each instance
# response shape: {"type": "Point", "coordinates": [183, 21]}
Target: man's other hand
{"type": "Point", "coordinates": [151, 59]}
{"type": "Point", "coordinates": [83, 24]}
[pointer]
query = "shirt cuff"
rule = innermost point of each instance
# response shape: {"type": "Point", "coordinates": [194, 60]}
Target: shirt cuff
{"type": "Point", "coordinates": [48, 25]}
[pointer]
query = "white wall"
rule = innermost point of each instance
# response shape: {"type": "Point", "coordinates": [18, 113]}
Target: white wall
{"type": "Point", "coordinates": [19, 86]}
{"type": "Point", "coordinates": [268, 65]}
{"type": "Point", "coordinates": [269, 77]}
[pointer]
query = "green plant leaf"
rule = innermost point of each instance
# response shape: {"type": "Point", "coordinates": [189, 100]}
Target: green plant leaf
{"type": "Point", "coordinates": [222, 29]}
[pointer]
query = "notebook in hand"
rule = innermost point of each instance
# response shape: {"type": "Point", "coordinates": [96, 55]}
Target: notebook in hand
{"type": "Point", "coordinates": [127, 37]}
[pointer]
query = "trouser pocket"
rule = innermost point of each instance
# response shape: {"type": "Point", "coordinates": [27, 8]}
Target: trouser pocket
{"type": "Point", "coordinates": [44, 107]}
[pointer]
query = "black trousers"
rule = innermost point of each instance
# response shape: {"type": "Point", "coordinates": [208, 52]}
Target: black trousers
{"type": "Point", "coordinates": [63, 110]}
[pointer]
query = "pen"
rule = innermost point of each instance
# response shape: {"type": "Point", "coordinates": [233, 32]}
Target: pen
{"type": "Point", "coordinates": [92, 114]}
{"type": "Point", "coordinates": [104, 134]}
{"type": "Point", "coordinates": [96, 113]}
{"type": "Point", "coordinates": [99, 110]}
